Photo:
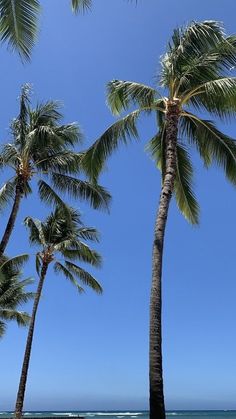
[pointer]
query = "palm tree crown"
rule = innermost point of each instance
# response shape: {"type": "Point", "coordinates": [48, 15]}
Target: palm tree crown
{"type": "Point", "coordinates": [13, 292]}
{"type": "Point", "coordinates": [195, 74]}
{"type": "Point", "coordinates": [40, 148]}
{"type": "Point", "coordinates": [62, 241]}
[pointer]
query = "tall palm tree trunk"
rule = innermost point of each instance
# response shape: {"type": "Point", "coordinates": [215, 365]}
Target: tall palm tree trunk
{"type": "Point", "coordinates": [25, 367]}
{"type": "Point", "coordinates": [12, 218]}
{"type": "Point", "coordinates": [157, 404]}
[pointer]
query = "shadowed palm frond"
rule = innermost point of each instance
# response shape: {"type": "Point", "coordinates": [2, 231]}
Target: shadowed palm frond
{"type": "Point", "coordinates": [18, 24]}
{"type": "Point", "coordinates": [184, 195]}
{"type": "Point", "coordinates": [36, 230]}
{"type": "Point", "coordinates": [14, 263]}
{"type": "Point", "coordinates": [213, 145]}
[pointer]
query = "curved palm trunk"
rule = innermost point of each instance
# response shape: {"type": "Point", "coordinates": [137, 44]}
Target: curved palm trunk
{"type": "Point", "coordinates": [25, 367]}
{"type": "Point", "coordinates": [157, 404]}
{"type": "Point", "coordinates": [12, 218]}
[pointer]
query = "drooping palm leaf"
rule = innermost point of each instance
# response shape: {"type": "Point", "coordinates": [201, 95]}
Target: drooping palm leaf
{"type": "Point", "coordinates": [18, 24]}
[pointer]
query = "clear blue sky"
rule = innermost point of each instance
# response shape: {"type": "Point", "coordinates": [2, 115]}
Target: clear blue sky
{"type": "Point", "coordinates": [91, 352]}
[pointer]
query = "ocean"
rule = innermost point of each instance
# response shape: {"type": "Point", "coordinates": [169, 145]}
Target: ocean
{"type": "Point", "coordinates": [186, 414]}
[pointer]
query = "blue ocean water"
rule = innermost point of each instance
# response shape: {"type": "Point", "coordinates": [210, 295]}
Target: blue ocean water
{"type": "Point", "coordinates": [186, 414]}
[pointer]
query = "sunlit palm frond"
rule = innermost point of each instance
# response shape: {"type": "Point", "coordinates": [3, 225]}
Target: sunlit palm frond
{"type": "Point", "coordinates": [18, 24]}
{"type": "Point", "coordinates": [121, 94]}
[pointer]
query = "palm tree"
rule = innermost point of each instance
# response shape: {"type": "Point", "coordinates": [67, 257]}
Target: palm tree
{"type": "Point", "coordinates": [61, 236]}
{"type": "Point", "coordinates": [195, 75]}
{"type": "Point", "coordinates": [19, 23]}
{"type": "Point", "coordinates": [12, 292]}
{"type": "Point", "coordinates": [40, 148]}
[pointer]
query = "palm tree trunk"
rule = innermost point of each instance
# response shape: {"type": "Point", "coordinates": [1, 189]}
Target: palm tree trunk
{"type": "Point", "coordinates": [25, 367]}
{"type": "Point", "coordinates": [157, 403]}
{"type": "Point", "coordinates": [12, 218]}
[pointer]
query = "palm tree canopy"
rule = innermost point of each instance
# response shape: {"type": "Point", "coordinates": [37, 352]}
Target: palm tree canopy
{"type": "Point", "coordinates": [62, 240]}
{"type": "Point", "coordinates": [13, 292]}
{"type": "Point", "coordinates": [41, 147]}
{"type": "Point", "coordinates": [196, 74]}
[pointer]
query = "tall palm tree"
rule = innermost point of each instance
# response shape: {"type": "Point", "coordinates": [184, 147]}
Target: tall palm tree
{"type": "Point", "coordinates": [13, 292]}
{"type": "Point", "coordinates": [195, 75]}
{"type": "Point", "coordinates": [19, 23]}
{"type": "Point", "coordinates": [40, 149]}
{"type": "Point", "coordinates": [65, 237]}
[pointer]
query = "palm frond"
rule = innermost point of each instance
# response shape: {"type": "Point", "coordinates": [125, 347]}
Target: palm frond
{"type": "Point", "coordinates": [20, 317]}
{"type": "Point", "coordinates": [184, 195]}
{"type": "Point", "coordinates": [15, 263]}
{"type": "Point", "coordinates": [121, 94]}
{"type": "Point", "coordinates": [212, 144]}
{"type": "Point", "coordinates": [88, 233]}
{"type": "Point", "coordinates": [36, 230]}
{"type": "Point", "coordinates": [217, 96]}
{"type": "Point", "coordinates": [59, 268]}
{"type": "Point", "coordinates": [81, 252]}
{"type": "Point", "coordinates": [84, 276]}
{"type": "Point", "coordinates": [18, 24]}
{"type": "Point", "coordinates": [81, 5]}
{"type": "Point", "coordinates": [120, 132]}
{"type": "Point", "coordinates": [50, 197]}
{"type": "Point", "coordinates": [7, 193]}
{"type": "Point", "coordinates": [97, 196]}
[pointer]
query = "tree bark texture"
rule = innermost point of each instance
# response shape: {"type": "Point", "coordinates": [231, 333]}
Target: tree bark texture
{"type": "Point", "coordinates": [157, 403]}
{"type": "Point", "coordinates": [12, 217]}
{"type": "Point", "coordinates": [25, 366]}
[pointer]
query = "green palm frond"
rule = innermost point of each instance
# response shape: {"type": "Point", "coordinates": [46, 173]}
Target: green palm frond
{"type": "Point", "coordinates": [97, 196]}
{"type": "Point", "coordinates": [213, 145]}
{"type": "Point", "coordinates": [18, 24]}
{"type": "Point", "coordinates": [83, 253]}
{"type": "Point", "coordinates": [122, 131]}
{"type": "Point", "coordinates": [7, 193]}
{"type": "Point", "coordinates": [59, 268]}
{"type": "Point", "coordinates": [35, 226]}
{"type": "Point", "coordinates": [50, 197]}
{"type": "Point", "coordinates": [15, 263]}
{"type": "Point", "coordinates": [81, 5]}
{"type": "Point", "coordinates": [84, 276]}
{"type": "Point", "coordinates": [156, 149]}
{"type": "Point", "coordinates": [121, 94]}
{"type": "Point", "coordinates": [88, 233]}
{"type": "Point", "coordinates": [10, 154]}
{"type": "Point", "coordinates": [2, 328]}
{"type": "Point", "coordinates": [216, 96]}
{"type": "Point", "coordinates": [184, 195]}
{"type": "Point", "coordinates": [20, 317]}
{"type": "Point", "coordinates": [38, 263]}
{"type": "Point", "coordinates": [63, 162]}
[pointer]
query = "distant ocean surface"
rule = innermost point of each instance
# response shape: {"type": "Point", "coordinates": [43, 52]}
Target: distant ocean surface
{"type": "Point", "coordinates": [186, 414]}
